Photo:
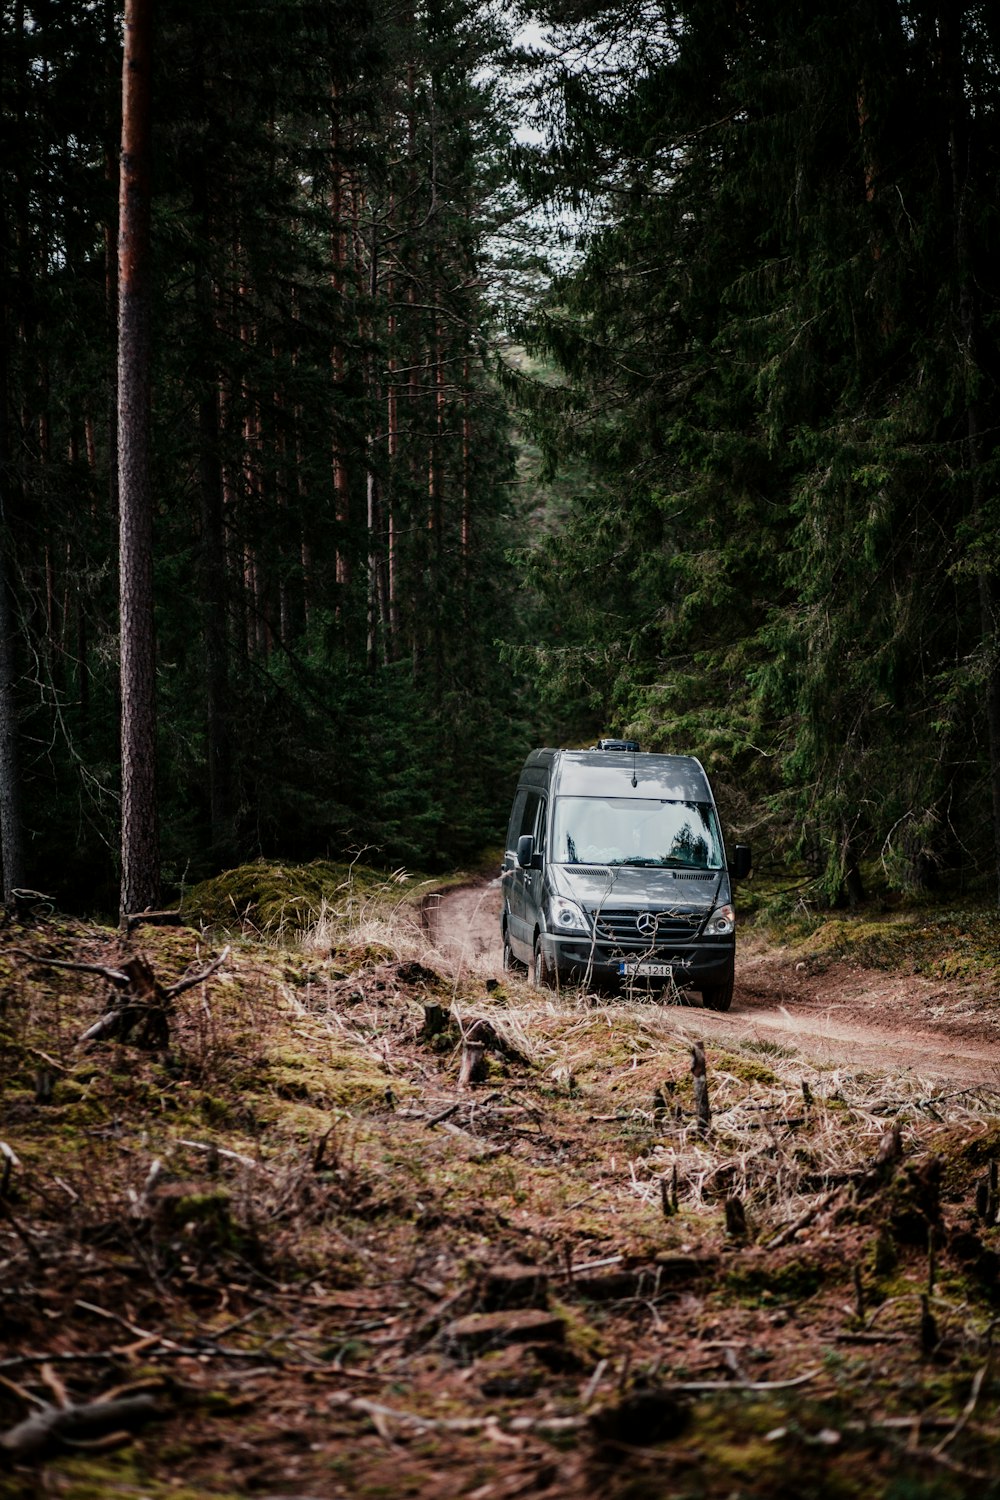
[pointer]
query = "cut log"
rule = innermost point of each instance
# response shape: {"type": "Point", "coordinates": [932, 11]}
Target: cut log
{"type": "Point", "coordinates": [516, 1326]}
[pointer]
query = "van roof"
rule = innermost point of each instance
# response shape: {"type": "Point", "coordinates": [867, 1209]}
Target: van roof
{"type": "Point", "coordinates": [608, 773]}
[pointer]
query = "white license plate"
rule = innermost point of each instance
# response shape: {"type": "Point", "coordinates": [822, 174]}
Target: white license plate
{"type": "Point", "coordinates": [650, 971]}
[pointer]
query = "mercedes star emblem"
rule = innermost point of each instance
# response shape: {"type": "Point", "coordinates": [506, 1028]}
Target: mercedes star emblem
{"type": "Point", "coordinates": [646, 923]}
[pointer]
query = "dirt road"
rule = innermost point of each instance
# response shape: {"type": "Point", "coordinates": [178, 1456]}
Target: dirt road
{"type": "Point", "coordinates": [834, 1013]}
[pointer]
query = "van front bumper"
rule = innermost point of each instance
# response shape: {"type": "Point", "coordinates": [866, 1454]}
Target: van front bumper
{"type": "Point", "coordinates": [576, 960]}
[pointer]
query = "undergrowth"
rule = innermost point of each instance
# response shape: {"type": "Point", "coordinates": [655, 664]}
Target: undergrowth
{"type": "Point", "coordinates": [951, 940]}
{"type": "Point", "coordinates": [301, 1233]}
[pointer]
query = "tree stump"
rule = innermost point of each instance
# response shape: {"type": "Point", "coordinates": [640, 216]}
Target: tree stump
{"type": "Point", "coordinates": [514, 1286]}
{"type": "Point", "coordinates": [141, 1012]}
{"type": "Point", "coordinates": [435, 1019]}
{"type": "Point", "coordinates": [699, 1072]}
{"type": "Point", "coordinates": [26, 905]}
{"type": "Point", "coordinates": [473, 1064]}
{"type": "Point", "coordinates": [736, 1219]}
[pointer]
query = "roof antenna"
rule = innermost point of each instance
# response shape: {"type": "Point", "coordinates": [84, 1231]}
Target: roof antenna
{"type": "Point", "coordinates": [634, 782]}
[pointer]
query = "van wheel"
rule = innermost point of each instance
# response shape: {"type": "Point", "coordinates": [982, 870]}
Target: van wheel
{"type": "Point", "coordinates": [540, 974]}
{"type": "Point", "coordinates": [720, 997]}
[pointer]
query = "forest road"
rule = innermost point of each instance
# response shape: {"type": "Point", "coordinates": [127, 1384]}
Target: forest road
{"type": "Point", "coordinates": [833, 1013]}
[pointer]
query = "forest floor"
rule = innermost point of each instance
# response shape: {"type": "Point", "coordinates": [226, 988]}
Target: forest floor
{"type": "Point", "coordinates": [289, 1253]}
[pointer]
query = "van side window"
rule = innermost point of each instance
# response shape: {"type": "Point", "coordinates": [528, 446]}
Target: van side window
{"type": "Point", "coordinates": [529, 815]}
{"type": "Point", "coordinates": [540, 827]}
{"type": "Point", "coordinates": [516, 819]}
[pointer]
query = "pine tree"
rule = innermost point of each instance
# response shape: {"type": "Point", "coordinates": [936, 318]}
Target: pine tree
{"type": "Point", "coordinates": [774, 330]}
{"type": "Point", "coordinates": [139, 821]}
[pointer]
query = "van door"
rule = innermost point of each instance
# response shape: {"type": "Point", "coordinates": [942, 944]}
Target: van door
{"type": "Point", "coordinates": [523, 887]}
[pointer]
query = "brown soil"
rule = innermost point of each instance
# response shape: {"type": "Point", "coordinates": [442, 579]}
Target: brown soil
{"type": "Point", "coordinates": [832, 1012]}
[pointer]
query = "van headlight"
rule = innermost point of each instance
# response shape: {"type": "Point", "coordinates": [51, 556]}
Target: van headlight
{"type": "Point", "coordinates": [721, 923]}
{"type": "Point", "coordinates": [567, 916]}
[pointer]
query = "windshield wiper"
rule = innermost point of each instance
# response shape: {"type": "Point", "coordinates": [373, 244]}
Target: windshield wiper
{"type": "Point", "coordinates": [646, 861]}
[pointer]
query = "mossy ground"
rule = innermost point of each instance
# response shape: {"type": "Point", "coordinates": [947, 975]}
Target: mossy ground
{"type": "Point", "coordinates": [277, 1221]}
{"type": "Point", "coordinates": [950, 940]}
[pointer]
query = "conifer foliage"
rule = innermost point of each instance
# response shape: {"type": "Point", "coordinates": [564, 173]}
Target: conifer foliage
{"type": "Point", "coordinates": [328, 461]}
{"type": "Point", "coordinates": [780, 349]}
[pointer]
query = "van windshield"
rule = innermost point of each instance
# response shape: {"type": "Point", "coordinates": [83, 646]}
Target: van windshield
{"type": "Point", "coordinates": [636, 831]}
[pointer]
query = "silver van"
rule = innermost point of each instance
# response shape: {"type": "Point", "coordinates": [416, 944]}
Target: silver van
{"type": "Point", "coordinates": [615, 872]}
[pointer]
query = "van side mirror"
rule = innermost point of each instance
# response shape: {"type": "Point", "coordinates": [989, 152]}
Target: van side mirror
{"type": "Point", "coordinates": [526, 850]}
{"type": "Point", "coordinates": [742, 861]}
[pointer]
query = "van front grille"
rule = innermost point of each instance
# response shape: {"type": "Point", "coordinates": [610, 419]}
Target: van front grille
{"type": "Point", "coordinates": [622, 925]}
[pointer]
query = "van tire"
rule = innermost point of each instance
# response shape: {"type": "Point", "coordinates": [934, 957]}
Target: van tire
{"type": "Point", "coordinates": [720, 997]}
{"type": "Point", "coordinates": [510, 963]}
{"type": "Point", "coordinates": [540, 973]}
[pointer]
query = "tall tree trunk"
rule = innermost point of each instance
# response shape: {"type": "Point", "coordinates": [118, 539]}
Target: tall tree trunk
{"type": "Point", "coordinates": [11, 841]}
{"type": "Point", "coordinates": [140, 834]}
{"type": "Point", "coordinates": [213, 579]}
{"type": "Point", "coordinates": [111, 167]}
{"type": "Point", "coordinates": [13, 272]}
{"type": "Point", "coordinates": [392, 455]}
{"type": "Point", "coordinates": [377, 633]}
{"type": "Point", "coordinates": [338, 264]}
{"type": "Point", "coordinates": [960, 150]}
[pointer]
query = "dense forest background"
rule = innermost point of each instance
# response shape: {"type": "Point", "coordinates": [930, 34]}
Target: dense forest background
{"type": "Point", "coordinates": [634, 371]}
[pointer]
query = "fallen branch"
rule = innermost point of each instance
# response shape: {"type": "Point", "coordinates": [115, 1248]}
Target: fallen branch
{"type": "Point", "coordinates": [71, 1424]}
{"type": "Point", "coordinates": [209, 1149]}
{"type": "Point", "coordinates": [181, 985]}
{"type": "Point", "coordinates": [791, 1230]}
{"type": "Point", "coordinates": [117, 977]}
{"type": "Point", "coordinates": [966, 1413]}
{"type": "Point", "coordinates": [26, 904]}
{"type": "Point", "coordinates": [153, 919]}
{"type": "Point", "coordinates": [695, 1386]}
{"type": "Point", "coordinates": [380, 1414]}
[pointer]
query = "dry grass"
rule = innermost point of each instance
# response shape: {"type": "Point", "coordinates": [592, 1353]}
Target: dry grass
{"type": "Point", "coordinates": [328, 1200]}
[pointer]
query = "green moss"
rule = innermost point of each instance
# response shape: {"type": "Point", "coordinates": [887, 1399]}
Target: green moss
{"type": "Point", "coordinates": [272, 898]}
{"type": "Point", "coordinates": [766, 1283]}
{"type": "Point", "coordinates": [581, 1338]}
{"type": "Point", "coordinates": [747, 1069]}
{"type": "Point", "coordinates": [341, 1081]}
{"type": "Point", "coordinates": [960, 945]}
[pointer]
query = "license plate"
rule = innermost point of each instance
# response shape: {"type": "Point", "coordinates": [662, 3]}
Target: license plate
{"type": "Point", "coordinates": [650, 971]}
